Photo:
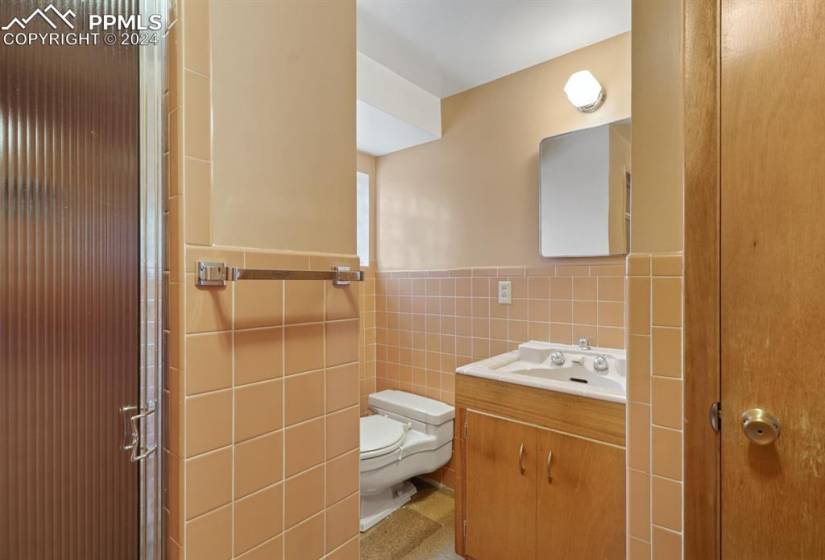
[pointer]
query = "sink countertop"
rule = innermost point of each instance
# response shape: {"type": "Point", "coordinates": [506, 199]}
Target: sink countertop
{"type": "Point", "coordinates": [531, 366]}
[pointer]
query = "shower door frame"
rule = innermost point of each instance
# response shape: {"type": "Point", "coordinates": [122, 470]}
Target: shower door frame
{"type": "Point", "coordinates": [153, 356]}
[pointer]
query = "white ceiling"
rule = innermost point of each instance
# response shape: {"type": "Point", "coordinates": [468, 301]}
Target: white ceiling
{"type": "Point", "coordinates": [448, 46]}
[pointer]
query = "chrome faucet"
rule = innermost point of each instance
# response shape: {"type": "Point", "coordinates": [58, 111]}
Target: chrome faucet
{"type": "Point", "coordinates": [584, 343]}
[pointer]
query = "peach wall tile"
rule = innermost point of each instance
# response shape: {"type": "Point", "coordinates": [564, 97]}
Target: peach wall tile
{"type": "Point", "coordinates": [208, 362]}
{"type": "Point", "coordinates": [638, 437]}
{"type": "Point", "coordinates": [208, 422]}
{"type": "Point", "coordinates": [174, 497]}
{"type": "Point", "coordinates": [342, 477]}
{"type": "Point", "coordinates": [209, 537]}
{"type": "Point", "coordinates": [561, 288]}
{"type": "Point", "coordinates": [197, 119]}
{"type": "Point", "coordinates": [638, 521]}
{"type": "Point", "coordinates": [258, 304]}
{"type": "Point", "coordinates": [342, 342]}
{"type": "Point", "coordinates": [611, 314]}
{"type": "Point", "coordinates": [341, 301]}
{"type": "Point", "coordinates": [207, 309]}
{"type": "Point", "coordinates": [638, 367]}
{"type": "Point", "coordinates": [198, 175]}
{"type": "Point", "coordinates": [585, 312]}
{"type": "Point", "coordinates": [304, 348]}
{"type": "Point", "coordinates": [561, 311]}
{"type": "Point", "coordinates": [585, 288]}
{"type": "Point", "coordinates": [303, 496]}
{"type": "Point", "coordinates": [349, 551]}
{"type": "Point", "coordinates": [561, 333]}
{"type": "Point", "coordinates": [258, 355]}
{"type": "Point", "coordinates": [638, 265]}
{"type": "Point", "coordinates": [667, 352]}
{"type": "Point", "coordinates": [537, 288]}
{"type": "Point", "coordinates": [304, 446]}
{"type": "Point", "coordinates": [258, 409]}
{"type": "Point", "coordinates": [611, 337]}
{"type": "Point", "coordinates": [638, 550]}
{"type": "Point", "coordinates": [638, 309]}
{"type": "Point", "coordinates": [306, 541]}
{"type": "Point", "coordinates": [208, 482]}
{"type": "Point", "coordinates": [258, 463]}
{"type": "Point", "coordinates": [304, 397]}
{"type": "Point", "coordinates": [611, 289]}
{"type": "Point", "coordinates": [342, 432]}
{"type": "Point", "coordinates": [667, 302]}
{"type": "Point", "coordinates": [667, 402]}
{"type": "Point", "coordinates": [270, 550]}
{"type": "Point", "coordinates": [667, 545]}
{"type": "Point", "coordinates": [258, 518]}
{"type": "Point", "coordinates": [667, 453]}
{"type": "Point", "coordinates": [304, 302]}
{"type": "Point", "coordinates": [342, 522]}
{"type": "Point", "coordinates": [667, 265]}
{"type": "Point", "coordinates": [666, 509]}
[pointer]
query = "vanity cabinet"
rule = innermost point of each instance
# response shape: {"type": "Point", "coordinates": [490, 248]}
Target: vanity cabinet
{"type": "Point", "coordinates": [501, 479]}
{"type": "Point", "coordinates": [536, 481]}
{"type": "Point", "coordinates": [580, 500]}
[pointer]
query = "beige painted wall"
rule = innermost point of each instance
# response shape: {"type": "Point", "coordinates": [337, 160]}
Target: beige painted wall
{"type": "Point", "coordinates": [471, 198]}
{"type": "Point", "coordinates": [656, 223]}
{"type": "Point", "coordinates": [365, 163]}
{"type": "Point", "coordinates": [283, 94]}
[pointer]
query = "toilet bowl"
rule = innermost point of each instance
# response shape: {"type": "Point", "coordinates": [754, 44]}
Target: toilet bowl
{"type": "Point", "coordinates": [407, 435]}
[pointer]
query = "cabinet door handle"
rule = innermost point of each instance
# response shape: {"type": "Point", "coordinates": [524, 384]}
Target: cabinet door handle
{"type": "Point", "coordinates": [521, 458]}
{"type": "Point", "coordinates": [549, 466]}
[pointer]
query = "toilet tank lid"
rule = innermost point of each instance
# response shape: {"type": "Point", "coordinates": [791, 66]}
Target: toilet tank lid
{"type": "Point", "coordinates": [411, 406]}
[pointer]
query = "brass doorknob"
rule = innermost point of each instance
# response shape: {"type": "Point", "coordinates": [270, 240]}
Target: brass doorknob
{"type": "Point", "coordinates": [761, 427]}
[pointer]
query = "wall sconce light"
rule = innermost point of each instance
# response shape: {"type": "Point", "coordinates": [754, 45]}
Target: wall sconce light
{"type": "Point", "coordinates": [584, 91]}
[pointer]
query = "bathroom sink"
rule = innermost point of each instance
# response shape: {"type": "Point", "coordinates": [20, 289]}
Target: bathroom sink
{"type": "Point", "coordinates": [597, 373]}
{"type": "Point", "coordinates": [576, 374]}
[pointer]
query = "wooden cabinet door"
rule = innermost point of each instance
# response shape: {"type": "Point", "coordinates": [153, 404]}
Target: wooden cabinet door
{"type": "Point", "coordinates": [580, 499]}
{"type": "Point", "coordinates": [500, 489]}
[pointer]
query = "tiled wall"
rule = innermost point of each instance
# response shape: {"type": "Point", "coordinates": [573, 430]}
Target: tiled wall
{"type": "Point", "coordinates": [262, 390]}
{"type": "Point", "coordinates": [264, 441]}
{"type": "Point", "coordinates": [366, 342]}
{"type": "Point", "coordinates": [654, 413]}
{"type": "Point", "coordinates": [430, 322]}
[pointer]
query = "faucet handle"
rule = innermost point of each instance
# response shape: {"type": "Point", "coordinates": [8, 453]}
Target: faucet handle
{"type": "Point", "coordinates": [600, 363]}
{"type": "Point", "coordinates": [584, 343]}
{"type": "Point", "coordinates": [557, 358]}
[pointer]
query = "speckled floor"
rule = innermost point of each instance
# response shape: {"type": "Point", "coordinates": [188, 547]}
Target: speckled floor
{"type": "Point", "coordinates": [421, 530]}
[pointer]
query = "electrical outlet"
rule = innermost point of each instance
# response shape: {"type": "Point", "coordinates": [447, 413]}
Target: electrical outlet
{"type": "Point", "coordinates": [505, 291]}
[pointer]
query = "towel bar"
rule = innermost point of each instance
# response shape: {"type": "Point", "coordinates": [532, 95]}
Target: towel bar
{"type": "Point", "coordinates": [212, 273]}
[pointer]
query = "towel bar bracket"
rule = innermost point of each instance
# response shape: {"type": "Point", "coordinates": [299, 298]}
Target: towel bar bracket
{"type": "Point", "coordinates": [211, 274]}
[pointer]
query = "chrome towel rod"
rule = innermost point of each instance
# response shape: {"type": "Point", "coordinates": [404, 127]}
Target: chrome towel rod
{"type": "Point", "coordinates": [212, 273]}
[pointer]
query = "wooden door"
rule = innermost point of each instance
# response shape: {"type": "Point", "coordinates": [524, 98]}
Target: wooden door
{"type": "Point", "coordinates": [580, 499]}
{"type": "Point", "coordinates": [501, 479]}
{"type": "Point", "coordinates": [773, 276]}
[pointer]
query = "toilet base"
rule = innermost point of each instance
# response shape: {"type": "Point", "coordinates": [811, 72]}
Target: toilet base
{"type": "Point", "coordinates": [378, 506]}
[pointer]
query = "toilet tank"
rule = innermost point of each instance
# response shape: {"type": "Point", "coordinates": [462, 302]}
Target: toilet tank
{"type": "Point", "coordinates": [425, 415]}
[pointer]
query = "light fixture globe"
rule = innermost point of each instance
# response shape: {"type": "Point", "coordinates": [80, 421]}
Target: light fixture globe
{"type": "Point", "coordinates": [584, 91]}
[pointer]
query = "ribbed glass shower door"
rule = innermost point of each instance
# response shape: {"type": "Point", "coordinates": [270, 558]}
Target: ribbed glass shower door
{"type": "Point", "coordinates": [69, 291]}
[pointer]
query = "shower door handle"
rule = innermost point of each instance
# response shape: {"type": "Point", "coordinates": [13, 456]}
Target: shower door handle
{"type": "Point", "coordinates": [131, 431]}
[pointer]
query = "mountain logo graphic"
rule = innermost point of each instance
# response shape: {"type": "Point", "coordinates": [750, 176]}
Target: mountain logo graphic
{"type": "Point", "coordinates": [44, 15]}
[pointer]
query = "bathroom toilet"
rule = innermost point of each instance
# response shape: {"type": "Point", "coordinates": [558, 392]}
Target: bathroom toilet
{"type": "Point", "coordinates": [406, 436]}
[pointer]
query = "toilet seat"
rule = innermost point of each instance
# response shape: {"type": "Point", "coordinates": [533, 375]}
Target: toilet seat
{"type": "Point", "coordinates": [380, 436]}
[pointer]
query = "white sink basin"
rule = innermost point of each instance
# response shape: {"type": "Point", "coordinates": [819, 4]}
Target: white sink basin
{"type": "Point", "coordinates": [532, 366]}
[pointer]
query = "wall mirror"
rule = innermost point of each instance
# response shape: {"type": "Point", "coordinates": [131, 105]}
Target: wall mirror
{"type": "Point", "coordinates": [584, 192]}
